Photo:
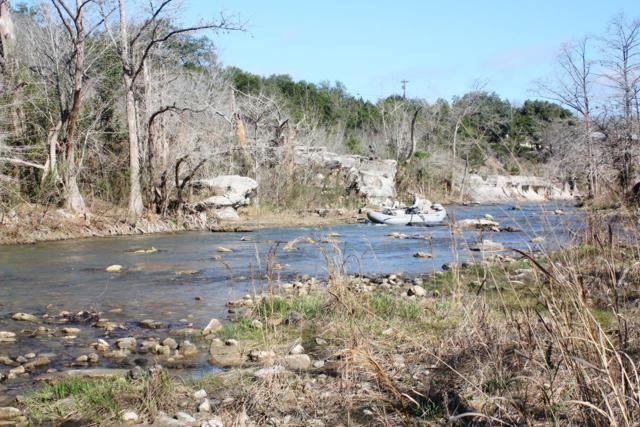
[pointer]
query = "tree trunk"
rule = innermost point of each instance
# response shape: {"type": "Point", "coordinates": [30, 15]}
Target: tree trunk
{"type": "Point", "coordinates": [73, 198]}
{"type": "Point", "coordinates": [413, 134]}
{"type": "Point", "coordinates": [135, 193]}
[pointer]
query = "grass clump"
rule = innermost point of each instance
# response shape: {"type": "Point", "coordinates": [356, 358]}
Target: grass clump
{"type": "Point", "coordinates": [82, 399]}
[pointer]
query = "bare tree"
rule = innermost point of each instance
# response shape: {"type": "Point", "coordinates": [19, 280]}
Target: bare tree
{"type": "Point", "coordinates": [134, 52]}
{"type": "Point", "coordinates": [622, 71]}
{"type": "Point", "coordinates": [573, 88]}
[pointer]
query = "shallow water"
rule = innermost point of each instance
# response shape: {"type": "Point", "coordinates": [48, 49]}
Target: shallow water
{"type": "Point", "coordinates": [70, 275]}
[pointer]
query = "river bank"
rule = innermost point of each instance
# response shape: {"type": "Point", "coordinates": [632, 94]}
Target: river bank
{"type": "Point", "coordinates": [31, 224]}
{"type": "Point", "coordinates": [476, 344]}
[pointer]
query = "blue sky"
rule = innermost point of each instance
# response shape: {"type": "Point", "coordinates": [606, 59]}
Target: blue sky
{"type": "Point", "coordinates": [441, 47]}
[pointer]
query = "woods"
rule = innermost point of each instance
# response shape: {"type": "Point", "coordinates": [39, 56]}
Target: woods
{"type": "Point", "coordinates": [107, 102]}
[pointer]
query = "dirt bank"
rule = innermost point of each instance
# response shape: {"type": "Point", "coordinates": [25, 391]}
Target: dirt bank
{"type": "Point", "coordinates": [32, 223]}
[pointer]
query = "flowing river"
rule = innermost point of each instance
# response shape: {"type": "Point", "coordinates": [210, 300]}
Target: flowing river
{"type": "Point", "coordinates": [188, 281]}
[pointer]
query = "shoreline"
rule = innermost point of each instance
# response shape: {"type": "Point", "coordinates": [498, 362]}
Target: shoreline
{"type": "Point", "coordinates": [59, 225]}
{"type": "Point", "coordinates": [35, 226]}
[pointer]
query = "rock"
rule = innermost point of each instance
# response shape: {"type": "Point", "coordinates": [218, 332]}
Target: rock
{"type": "Point", "coordinates": [200, 394]}
{"type": "Point", "coordinates": [501, 188]}
{"type": "Point", "coordinates": [372, 179]}
{"type": "Point", "coordinates": [101, 346]}
{"type": "Point", "coordinates": [256, 324]}
{"type": "Point", "coordinates": [558, 212]}
{"type": "Point", "coordinates": [37, 362]}
{"type": "Point", "coordinates": [205, 406]}
{"type": "Point", "coordinates": [82, 359]}
{"type": "Point", "coordinates": [163, 420]}
{"type": "Point", "coordinates": [130, 417]}
{"type": "Point", "coordinates": [186, 272]}
{"type": "Point", "coordinates": [151, 324]}
{"type": "Point", "coordinates": [171, 343]}
{"type": "Point", "coordinates": [115, 268]}
{"type": "Point", "coordinates": [538, 240]}
{"type": "Point", "coordinates": [187, 349]}
{"type": "Point", "coordinates": [185, 332]}
{"type": "Point", "coordinates": [489, 217]}
{"type": "Point", "coordinates": [224, 191]}
{"type": "Point", "coordinates": [9, 413]}
{"type": "Point", "coordinates": [70, 331]}
{"type": "Point", "coordinates": [487, 246]}
{"type": "Point", "coordinates": [320, 341]}
{"type": "Point", "coordinates": [231, 342]}
{"type": "Point", "coordinates": [479, 223]}
{"type": "Point", "coordinates": [7, 337]}
{"type": "Point", "coordinates": [227, 214]}
{"type": "Point", "coordinates": [18, 370]}
{"type": "Point", "coordinates": [223, 249]}
{"type": "Point", "coordinates": [261, 356]}
{"type": "Point", "coordinates": [269, 372]}
{"type": "Point", "coordinates": [185, 418]}
{"type": "Point", "coordinates": [422, 255]}
{"type": "Point", "coordinates": [24, 317]}
{"type": "Point", "coordinates": [7, 361]}
{"type": "Point", "coordinates": [213, 326]}
{"type": "Point", "coordinates": [297, 362]}
{"type": "Point", "coordinates": [296, 349]}
{"type": "Point", "coordinates": [215, 421]}
{"type": "Point", "coordinates": [128, 343]}
{"type": "Point", "coordinates": [93, 358]}
{"type": "Point", "coordinates": [150, 250]}
{"type": "Point", "coordinates": [318, 364]}
{"type": "Point", "coordinates": [416, 290]}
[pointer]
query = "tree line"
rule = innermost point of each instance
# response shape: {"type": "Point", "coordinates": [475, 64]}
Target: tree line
{"type": "Point", "coordinates": [120, 104]}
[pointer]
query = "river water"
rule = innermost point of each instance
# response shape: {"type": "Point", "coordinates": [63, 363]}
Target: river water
{"type": "Point", "coordinates": [189, 281]}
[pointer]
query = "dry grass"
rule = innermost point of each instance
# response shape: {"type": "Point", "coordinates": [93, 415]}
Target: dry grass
{"type": "Point", "coordinates": [556, 344]}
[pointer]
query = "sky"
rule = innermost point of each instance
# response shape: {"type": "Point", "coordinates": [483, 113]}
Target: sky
{"type": "Point", "coordinates": [443, 48]}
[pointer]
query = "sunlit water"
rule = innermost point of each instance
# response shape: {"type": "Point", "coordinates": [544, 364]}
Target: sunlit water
{"type": "Point", "coordinates": [70, 275]}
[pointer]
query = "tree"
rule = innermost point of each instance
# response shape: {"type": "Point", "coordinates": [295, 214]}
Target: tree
{"type": "Point", "coordinates": [573, 88]}
{"type": "Point", "coordinates": [152, 32]}
{"type": "Point", "coordinates": [622, 71]}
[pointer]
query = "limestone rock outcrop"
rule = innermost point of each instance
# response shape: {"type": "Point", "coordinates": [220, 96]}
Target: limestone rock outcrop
{"type": "Point", "coordinates": [372, 179]}
{"type": "Point", "coordinates": [501, 188]}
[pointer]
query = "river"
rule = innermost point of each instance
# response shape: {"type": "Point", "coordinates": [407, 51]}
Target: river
{"type": "Point", "coordinates": [188, 281]}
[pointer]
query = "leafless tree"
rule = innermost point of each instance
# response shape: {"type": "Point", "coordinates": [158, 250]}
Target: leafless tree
{"type": "Point", "coordinates": [135, 51]}
{"type": "Point", "coordinates": [621, 70]}
{"type": "Point", "coordinates": [574, 89]}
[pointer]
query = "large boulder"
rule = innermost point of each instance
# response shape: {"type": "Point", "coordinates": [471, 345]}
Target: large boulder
{"type": "Point", "coordinates": [224, 191]}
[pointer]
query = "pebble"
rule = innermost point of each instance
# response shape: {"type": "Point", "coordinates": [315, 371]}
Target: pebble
{"type": "Point", "coordinates": [213, 326]}
{"type": "Point", "coordinates": [416, 290]}
{"type": "Point", "coordinates": [205, 406]}
{"type": "Point", "coordinates": [24, 317]}
{"type": "Point", "coordinates": [256, 324]}
{"type": "Point", "coordinates": [215, 421]}
{"type": "Point", "coordinates": [6, 336]}
{"type": "Point", "coordinates": [185, 418]}
{"type": "Point", "coordinates": [171, 343]}
{"type": "Point", "coordinates": [187, 349]}
{"type": "Point", "coordinates": [115, 268]}
{"type": "Point", "coordinates": [223, 249]}
{"type": "Point", "coordinates": [423, 255]}
{"type": "Point", "coordinates": [130, 417]}
{"type": "Point", "coordinates": [128, 343]}
{"type": "Point", "coordinates": [297, 362]}
{"type": "Point", "coordinates": [297, 349]}
{"type": "Point", "coordinates": [200, 394]}
{"type": "Point", "coordinates": [269, 372]}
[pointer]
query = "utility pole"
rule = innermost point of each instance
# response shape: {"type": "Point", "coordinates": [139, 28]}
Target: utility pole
{"type": "Point", "coordinates": [404, 88]}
